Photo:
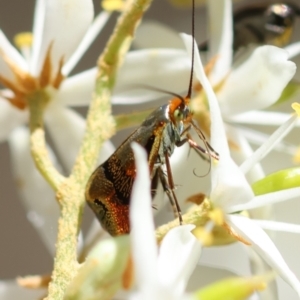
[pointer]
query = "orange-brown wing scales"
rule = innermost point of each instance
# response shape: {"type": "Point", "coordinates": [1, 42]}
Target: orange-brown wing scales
{"type": "Point", "coordinates": [109, 188]}
{"type": "Point", "coordinates": [101, 197]}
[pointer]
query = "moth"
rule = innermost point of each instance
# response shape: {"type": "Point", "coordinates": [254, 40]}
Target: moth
{"type": "Point", "coordinates": [109, 188]}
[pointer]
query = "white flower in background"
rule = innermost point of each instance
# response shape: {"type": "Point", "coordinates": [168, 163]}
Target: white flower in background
{"type": "Point", "coordinates": [243, 88]}
{"type": "Point", "coordinates": [230, 190]}
{"type": "Point", "coordinates": [62, 32]}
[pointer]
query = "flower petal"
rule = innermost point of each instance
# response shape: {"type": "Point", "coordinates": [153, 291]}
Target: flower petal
{"type": "Point", "coordinates": [229, 185]}
{"type": "Point", "coordinates": [67, 128]}
{"type": "Point", "coordinates": [260, 118]}
{"type": "Point", "coordinates": [179, 254]}
{"type": "Point", "coordinates": [267, 199]}
{"type": "Point", "coordinates": [77, 90]}
{"type": "Point", "coordinates": [94, 29]}
{"type": "Point", "coordinates": [258, 138]}
{"type": "Point", "coordinates": [7, 49]}
{"type": "Point", "coordinates": [143, 241]}
{"type": "Point", "coordinates": [9, 289]}
{"type": "Point", "coordinates": [242, 91]}
{"type": "Point", "coordinates": [167, 69]}
{"type": "Point", "coordinates": [35, 193]}
{"type": "Point", "coordinates": [265, 247]}
{"type": "Point", "coordinates": [241, 151]}
{"type": "Point", "coordinates": [10, 118]}
{"type": "Point", "coordinates": [278, 226]}
{"type": "Point", "coordinates": [62, 23]}
{"type": "Point", "coordinates": [218, 136]}
{"type": "Point", "coordinates": [153, 34]}
{"type": "Point", "coordinates": [221, 37]}
{"type": "Point", "coordinates": [274, 139]}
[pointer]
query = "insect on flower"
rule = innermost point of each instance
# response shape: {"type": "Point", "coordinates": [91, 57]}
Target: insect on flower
{"type": "Point", "coordinates": [109, 187]}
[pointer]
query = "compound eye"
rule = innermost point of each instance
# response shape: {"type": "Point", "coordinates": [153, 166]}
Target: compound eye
{"type": "Point", "coordinates": [178, 114]}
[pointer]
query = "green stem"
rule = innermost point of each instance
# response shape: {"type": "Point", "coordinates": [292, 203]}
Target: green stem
{"type": "Point", "coordinates": [65, 262]}
{"type": "Point", "coordinates": [99, 127]}
{"type": "Point", "coordinates": [37, 103]}
{"type": "Point", "coordinates": [100, 124]}
{"type": "Point", "coordinates": [198, 217]}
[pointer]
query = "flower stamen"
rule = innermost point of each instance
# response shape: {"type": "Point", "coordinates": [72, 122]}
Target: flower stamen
{"type": "Point", "coordinates": [112, 5]}
{"type": "Point", "coordinates": [296, 108]}
{"type": "Point", "coordinates": [234, 234]}
{"type": "Point", "coordinates": [23, 41]}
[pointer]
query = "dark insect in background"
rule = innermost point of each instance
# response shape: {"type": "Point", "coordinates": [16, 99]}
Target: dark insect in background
{"type": "Point", "coordinates": [262, 24]}
{"type": "Point", "coordinates": [109, 188]}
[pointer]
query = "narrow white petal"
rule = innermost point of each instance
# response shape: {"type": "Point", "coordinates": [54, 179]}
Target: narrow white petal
{"type": "Point", "coordinates": [94, 29]}
{"type": "Point", "coordinates": [258, 138]}
{"type": "Point", "coordinates": [35, 193]}
{"type": "Point", "coordinates": [77, 90]}
{"type": "Point", "coordinates": [229, 185]}
{"type": "Point", "coordinates": [218, 135]}
{"type": "Point", "coordinates": [258, 82]}
{"type": "Point", "coordinates": [221, 37]}
{"type": "Point", "coordinates": [143, 241]}
{"type": "Point", "coordinates": [9, 289]}
{"type": "Point", "coordinates": [153, 34]}
{"type": "Point", "coordinates": [179, 254]}
{"type": "Point", "coordinates": [278, 226]}
{"type": "Point", "coordinates": [265, 247]}
{"type": "Point", "coordinates": [6, 48]}
{"type": "Point", "coordinates": [260, 267]}
{"type": "Point", "coordinates": [274, 139]}
{"type": "Point", "coordinates": [10, 118]}
{"type": "Point", "coordinates": [38, 29]}
{"type": "Point", "coordinates": [269, 118]}
{"type": "Point", "coordinates": [293, 49]}
{"type": "Point", "coordinates": [64, 24]}
{"type": "Point", "coordinates": [167, 69]}
{"type": "Point", "coordinates": [267, 199]}
{"type": "Point", "coordinates": [242, 151]}
{"type": "Point", "coordinates": [66, 128]}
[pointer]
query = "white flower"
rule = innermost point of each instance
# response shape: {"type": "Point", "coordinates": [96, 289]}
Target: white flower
{"type": "Point", "coordinates": [243, 88]}
{"type": "Point", "coordinates": [62, 31]}
{"type": "Point", "coordinates": [160, 273]}
{"type": "Point", "coordinates": [230, 190]}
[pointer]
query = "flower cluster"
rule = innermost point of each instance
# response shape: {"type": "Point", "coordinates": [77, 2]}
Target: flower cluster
{"type": "Point", "coordinates": [231, 91]}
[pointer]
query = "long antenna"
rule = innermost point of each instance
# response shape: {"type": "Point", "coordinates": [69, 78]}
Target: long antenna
{"type": "Point", "coordinates": [189, 94]}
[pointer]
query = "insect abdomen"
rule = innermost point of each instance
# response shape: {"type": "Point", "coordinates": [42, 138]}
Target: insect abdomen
{"type": "Point", "coordinates": [109, 198]}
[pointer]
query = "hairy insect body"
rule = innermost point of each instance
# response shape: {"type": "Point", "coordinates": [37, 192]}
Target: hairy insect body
{"type": "Point", "coordinates": [109, 188]}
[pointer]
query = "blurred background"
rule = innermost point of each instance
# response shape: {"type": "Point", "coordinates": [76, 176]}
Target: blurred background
{"type": "Point", "coordinates": [22, 252]}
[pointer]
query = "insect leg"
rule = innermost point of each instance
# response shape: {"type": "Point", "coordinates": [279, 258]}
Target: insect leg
{"type": "Point", "coordinates": [167, 189]}
{"type": "Point", "coordinates": [172, 188]}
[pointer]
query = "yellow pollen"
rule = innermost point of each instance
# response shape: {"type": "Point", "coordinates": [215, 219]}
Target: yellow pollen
{"type": "Point", "coordinates": [111, 5]}
{"type": "Point", "coordinates": [296, 157]}
{"type": "Point", "coordinates": [296, 108]}
{"type": "Point", "coordinates": [23, 39]}
{"type": "Point", "coordinates": [204, 236]}
{"type": "Point", "coordinates": [217, 216]}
